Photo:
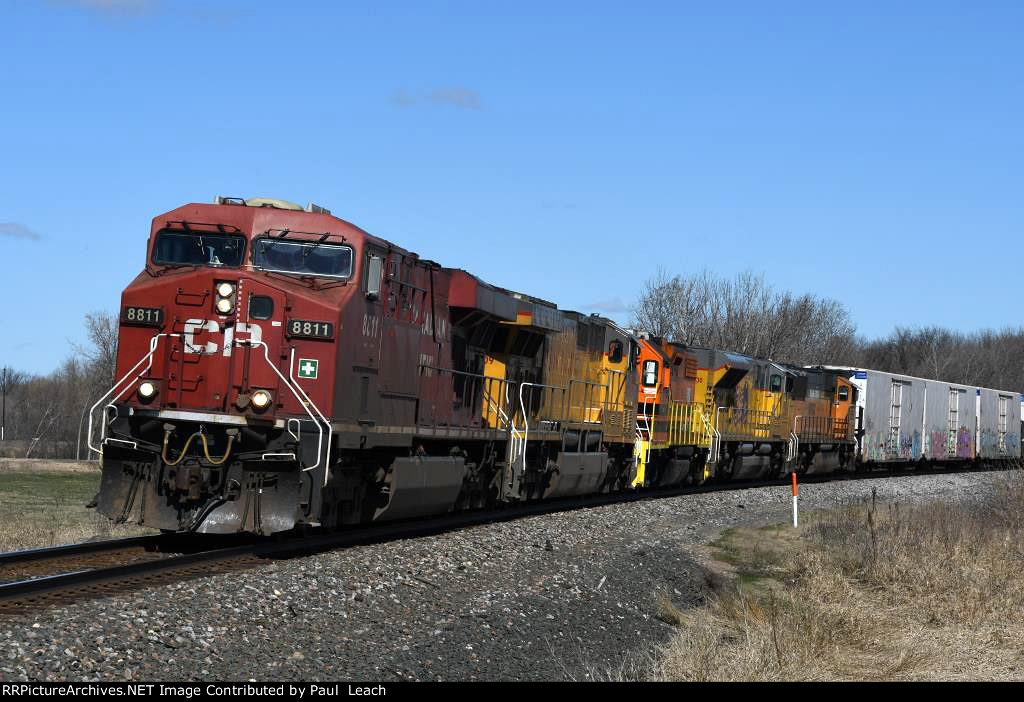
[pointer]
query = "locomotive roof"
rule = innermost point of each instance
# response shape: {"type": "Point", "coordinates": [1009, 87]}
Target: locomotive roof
{"type": "Point", "coordinates": [257, 218]}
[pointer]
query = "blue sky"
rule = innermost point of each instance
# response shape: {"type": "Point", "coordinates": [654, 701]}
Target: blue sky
{"type": "Point", "coordinates": [872, 153]}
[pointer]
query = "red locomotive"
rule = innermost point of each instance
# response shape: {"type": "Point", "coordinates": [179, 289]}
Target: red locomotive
{"type": "Point", "coordinates": [278, 366]}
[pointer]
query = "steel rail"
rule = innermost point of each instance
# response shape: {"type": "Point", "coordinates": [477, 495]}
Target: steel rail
{"type": "Point", "coordinates": [82, 549]}
{"type": "Point", "coordinates": [32, 589]}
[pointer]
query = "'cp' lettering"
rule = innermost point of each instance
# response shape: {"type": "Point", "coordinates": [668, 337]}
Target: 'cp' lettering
{"type": "Point", "coordinates": [211, 326]}
{"type": "Point", "coordinates": [194, 325]}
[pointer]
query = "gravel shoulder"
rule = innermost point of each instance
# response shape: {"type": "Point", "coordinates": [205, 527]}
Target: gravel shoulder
{"type": "Point", "coordinates": [552, 597]}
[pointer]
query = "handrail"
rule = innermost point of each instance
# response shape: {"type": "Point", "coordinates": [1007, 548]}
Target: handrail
{"type": "Point", "coordinates": [485, 388]}
{"type": "Point", "coordinates": [741, 422]}
{"type": "Point", "coordinates": [821, 427]}
{"type": "Point", "coordinates": [305, 404]}
{"type": "Point", "coordinates": [648, 427]}
{"type": "Point", "coordinates": [588, 395]}
{"type": "Point", "coordinates": [153, 342]}
{"type": "Point", "coordinates": [526, 422]}
{"type": "Point", "coordinates": [291, 374]}
{"type": "Point", "coordinates": [498, 411]}
{"type": "Point", "coordinates": [716, 437]}
{"type": "Point", "coordinates": [512, 417]}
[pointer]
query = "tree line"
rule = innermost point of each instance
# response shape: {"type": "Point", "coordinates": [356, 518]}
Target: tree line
{"type": "Point", "coordinates": [45, 415]}
{"type": "Point", "coordinates": [747, 315]}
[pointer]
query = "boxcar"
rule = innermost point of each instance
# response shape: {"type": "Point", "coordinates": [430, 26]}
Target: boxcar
{"type": "Point", "coordinates": [903, 419]}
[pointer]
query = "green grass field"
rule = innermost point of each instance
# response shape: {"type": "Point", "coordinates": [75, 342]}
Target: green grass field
{"type": "Point", "coordinates": [42, 503]}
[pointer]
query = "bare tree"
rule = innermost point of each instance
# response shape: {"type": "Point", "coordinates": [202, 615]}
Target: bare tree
{"type": "Point", "coordinates": [744, 314]}
{"type": "Point", "coordinates": [987, 358]}
{"type": "Point", "coordinates": [657, 311]}
{"type": "Point", "coordinates": [9, 380]}
{"type": "Point", "coordinates": [101, 329]}
{"type": "Point", "coordinates": [44, 413]}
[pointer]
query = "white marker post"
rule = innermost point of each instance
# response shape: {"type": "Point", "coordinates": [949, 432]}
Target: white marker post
{"type": "Point", "coordinates": [795, 522]}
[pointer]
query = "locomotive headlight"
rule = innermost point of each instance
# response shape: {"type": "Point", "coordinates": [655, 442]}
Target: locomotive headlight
{"type": "Point", "coordinates": [261, 399]}
{"type": "Point", "coordinates": [224, 305]}
{"type": "Point", "coordinates": [225, 289]}
{"type": "Point", "coordinates": [147, 390]}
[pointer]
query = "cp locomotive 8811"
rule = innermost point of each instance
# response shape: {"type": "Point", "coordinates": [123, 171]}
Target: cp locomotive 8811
{"type": "Point", "coordinates": [279, 367]}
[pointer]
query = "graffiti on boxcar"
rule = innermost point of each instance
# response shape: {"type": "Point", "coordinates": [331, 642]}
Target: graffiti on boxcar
{"type": "Point", "coordinates": [988, 443]}
{"type": "Point", "coordinates": [964, 443]}
{"type": "Point", "coordinates": [910, 444]}
{"type": "Point", "coordinates": [875, 447]}
{"type": "Point", "coordinates": [937, 444]}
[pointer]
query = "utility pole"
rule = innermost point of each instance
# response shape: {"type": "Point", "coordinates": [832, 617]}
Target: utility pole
{"type": "Point", "coordinates": [4, 375]}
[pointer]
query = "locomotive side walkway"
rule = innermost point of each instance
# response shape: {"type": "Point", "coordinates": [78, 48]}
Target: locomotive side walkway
{"type": "Point", "coordinates": [557, 596]}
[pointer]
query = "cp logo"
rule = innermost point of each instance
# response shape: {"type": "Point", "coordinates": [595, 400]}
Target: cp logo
{"type": "Point", "coordinates": [211, 326]}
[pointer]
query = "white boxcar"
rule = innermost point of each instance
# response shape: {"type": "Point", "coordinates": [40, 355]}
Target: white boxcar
{"type": "Point", "coordinates": [901, 418]}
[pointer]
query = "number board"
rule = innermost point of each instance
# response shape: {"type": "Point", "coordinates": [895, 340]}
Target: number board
{"type": "Point", "coordinates": [310, 329]}
{"type": "Point", "coordinates": [144, 316]}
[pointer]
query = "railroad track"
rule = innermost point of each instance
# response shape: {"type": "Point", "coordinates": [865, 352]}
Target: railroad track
{"type": "Point", "coordinates": [28, 565]}
{"type": "Point", "coordinates": [60, 583]}
{"type": "Point", "coordinates": [49, 590]}
{"type": "Point", "coordinates": [69, 579]}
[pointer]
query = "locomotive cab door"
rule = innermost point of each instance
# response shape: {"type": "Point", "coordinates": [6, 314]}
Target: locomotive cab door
{"type": "Point", "coordinates": [842, 407]}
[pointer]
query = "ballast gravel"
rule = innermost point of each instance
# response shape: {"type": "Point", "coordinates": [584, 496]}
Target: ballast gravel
{"type": "Point", "coordinates": [551, 597]}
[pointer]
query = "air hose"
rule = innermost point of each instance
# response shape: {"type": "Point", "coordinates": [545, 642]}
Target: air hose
{"type": "Point", "coordinates": [206, 449]}
{"type": "Point", "coordinates": [227, 451]}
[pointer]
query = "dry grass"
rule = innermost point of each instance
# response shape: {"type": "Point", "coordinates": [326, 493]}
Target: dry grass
{"type": "Point", "coordinates": [42, 503]}
{"type": "Point", "coordinates": [863, 592]}
{"type": "Point", "coordinates": [48, 465]}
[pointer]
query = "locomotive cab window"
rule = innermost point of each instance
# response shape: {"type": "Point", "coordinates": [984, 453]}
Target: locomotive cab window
{"type": "Point", "coordinates": [844, 393]}
{"type": "Point", "coordinates": [261, 307]}
{"type": "Point", "coordinates": [615, 351]}
{"type": "Point", "coordinates": [314, 258]}
{"type": "Point", "coordinates": [775, 383]}
{"type": "Point", "coordinates": [650, 378]}
{"type": "Point", "coordinates": [373, 270]}
{"type": "Point", "coordinates": [192, 248]}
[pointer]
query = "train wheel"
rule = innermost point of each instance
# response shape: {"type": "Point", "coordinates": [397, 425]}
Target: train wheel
{"type": "Point", "coordinates": [726, 469]}
{"type": "Point", "coordinates": [698, 472]}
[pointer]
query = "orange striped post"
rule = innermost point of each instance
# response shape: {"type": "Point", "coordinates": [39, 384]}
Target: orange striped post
{"type": "Point", "coordinates": [794, 500]}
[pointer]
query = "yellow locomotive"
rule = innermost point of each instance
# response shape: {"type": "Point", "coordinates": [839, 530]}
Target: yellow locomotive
{"type": "Point", "coordinates": [704, 413]}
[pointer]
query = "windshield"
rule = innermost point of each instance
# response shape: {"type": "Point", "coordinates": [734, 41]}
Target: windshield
{"type": "Point", "coordinates": [302, 257]}
{"type": "Point", "coordinates": [198, 248]}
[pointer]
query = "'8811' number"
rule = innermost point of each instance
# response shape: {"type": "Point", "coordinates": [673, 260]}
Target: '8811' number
{"type": "Point", "coordinates": [310, 329]}
{"type": "Point", "coordinates": [146, 316]}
